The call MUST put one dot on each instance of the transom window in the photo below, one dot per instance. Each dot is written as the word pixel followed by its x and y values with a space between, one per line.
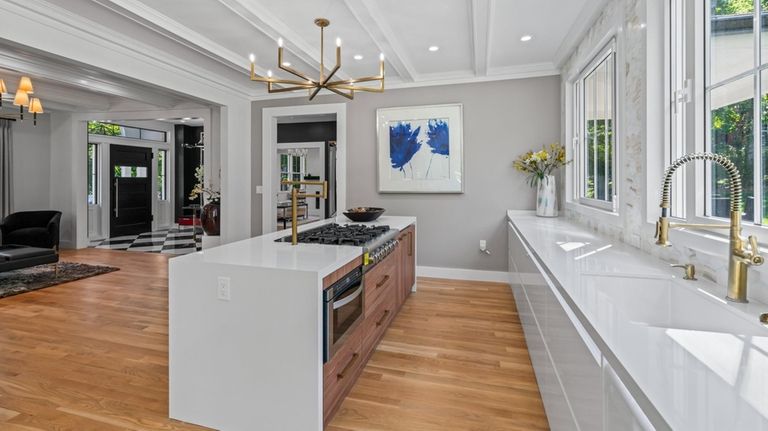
pixel 594 131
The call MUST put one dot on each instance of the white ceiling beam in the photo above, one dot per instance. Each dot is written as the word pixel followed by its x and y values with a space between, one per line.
pixel 481 30
pixel 272 27
pixel 85 80
pixel 144 15
pixel 369 15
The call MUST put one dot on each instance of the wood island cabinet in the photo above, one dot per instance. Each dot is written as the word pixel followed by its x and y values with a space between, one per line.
pixel 386 287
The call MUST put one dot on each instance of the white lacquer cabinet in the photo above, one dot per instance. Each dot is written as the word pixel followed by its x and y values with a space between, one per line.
pixel 579 389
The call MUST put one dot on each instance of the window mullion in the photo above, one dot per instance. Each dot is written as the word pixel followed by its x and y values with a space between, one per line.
pixel 757 207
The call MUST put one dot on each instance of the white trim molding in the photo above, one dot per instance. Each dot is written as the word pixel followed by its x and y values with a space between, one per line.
pixel 269 118
pixel 462 274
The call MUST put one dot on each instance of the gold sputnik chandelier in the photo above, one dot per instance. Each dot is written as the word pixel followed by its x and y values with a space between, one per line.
pixel 342 87
pixel 23 98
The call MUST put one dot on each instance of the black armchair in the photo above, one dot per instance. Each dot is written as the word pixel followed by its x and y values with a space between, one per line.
pixel 32 228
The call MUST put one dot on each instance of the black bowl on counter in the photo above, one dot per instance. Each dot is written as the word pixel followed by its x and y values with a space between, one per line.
pixel 364 214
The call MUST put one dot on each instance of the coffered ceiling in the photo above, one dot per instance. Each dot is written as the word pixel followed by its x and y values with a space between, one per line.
pixel 478 40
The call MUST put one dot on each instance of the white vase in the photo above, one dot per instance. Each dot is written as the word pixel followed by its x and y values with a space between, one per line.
pixel 546 197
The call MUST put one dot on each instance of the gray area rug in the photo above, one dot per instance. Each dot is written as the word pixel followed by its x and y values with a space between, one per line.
pixel 42 276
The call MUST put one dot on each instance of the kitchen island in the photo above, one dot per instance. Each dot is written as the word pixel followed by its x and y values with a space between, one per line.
pixel 247 326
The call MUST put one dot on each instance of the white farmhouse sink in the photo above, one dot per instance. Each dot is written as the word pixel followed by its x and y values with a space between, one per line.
pixel 666 302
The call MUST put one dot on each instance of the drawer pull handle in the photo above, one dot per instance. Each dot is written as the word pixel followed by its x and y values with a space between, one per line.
pixel 383 317
pixel 349 365
pixel 383 281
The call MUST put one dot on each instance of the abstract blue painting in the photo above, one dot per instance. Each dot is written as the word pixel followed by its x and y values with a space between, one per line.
pixel 420 149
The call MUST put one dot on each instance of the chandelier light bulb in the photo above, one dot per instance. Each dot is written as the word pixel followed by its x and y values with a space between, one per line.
pixel 346 87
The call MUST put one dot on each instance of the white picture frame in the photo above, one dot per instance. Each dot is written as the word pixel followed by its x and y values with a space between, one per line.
pixel 420 149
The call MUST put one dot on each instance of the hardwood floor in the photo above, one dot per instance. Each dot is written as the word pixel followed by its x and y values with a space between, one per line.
pixel 92 355
pixel 454 358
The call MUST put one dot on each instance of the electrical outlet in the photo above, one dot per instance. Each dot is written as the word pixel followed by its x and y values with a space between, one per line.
pixel 483 244
pixel 223 291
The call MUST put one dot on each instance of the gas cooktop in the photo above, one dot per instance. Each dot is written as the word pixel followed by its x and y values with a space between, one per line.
pixel 336 234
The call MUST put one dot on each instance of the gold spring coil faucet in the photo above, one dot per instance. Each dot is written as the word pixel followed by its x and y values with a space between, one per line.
pixel 740 257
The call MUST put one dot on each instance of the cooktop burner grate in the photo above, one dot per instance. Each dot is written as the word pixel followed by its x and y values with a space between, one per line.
pixel 336 234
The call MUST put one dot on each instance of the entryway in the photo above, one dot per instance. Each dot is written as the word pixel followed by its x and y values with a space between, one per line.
pixel 131 197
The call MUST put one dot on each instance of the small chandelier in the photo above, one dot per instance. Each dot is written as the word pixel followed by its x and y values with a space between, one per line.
pixel 22 98
pixel 343 87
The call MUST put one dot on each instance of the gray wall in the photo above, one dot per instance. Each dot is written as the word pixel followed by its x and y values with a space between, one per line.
pixel 501 120
pixel 32 164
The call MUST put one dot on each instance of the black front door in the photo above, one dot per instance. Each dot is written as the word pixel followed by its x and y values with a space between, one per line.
pixel 131 197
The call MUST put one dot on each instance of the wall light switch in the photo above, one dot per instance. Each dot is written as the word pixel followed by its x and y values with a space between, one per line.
pixel 223 291
pixel 483 244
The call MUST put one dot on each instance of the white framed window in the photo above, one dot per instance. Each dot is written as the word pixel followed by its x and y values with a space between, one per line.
pixel 162 175
pixel 719 93
pixel 594 131
pixel 93 174
pixel 292 167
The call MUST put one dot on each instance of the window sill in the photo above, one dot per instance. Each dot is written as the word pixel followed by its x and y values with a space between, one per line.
pixel 601 215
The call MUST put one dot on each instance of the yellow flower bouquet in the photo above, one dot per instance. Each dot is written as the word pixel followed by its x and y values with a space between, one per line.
pixel 539 164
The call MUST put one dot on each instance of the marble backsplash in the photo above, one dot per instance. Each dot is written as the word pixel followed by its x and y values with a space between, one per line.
pixel 626 20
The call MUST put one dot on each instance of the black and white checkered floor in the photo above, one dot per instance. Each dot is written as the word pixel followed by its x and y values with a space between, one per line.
pixel 177 241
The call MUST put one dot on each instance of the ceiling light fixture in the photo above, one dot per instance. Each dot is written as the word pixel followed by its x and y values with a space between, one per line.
pixel 526 38
pixel 434 48
pixel 346 87
pixel 287 63
pixel 358 57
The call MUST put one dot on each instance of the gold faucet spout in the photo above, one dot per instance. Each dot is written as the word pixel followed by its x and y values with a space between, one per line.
pixel 739 257
pixel 295 195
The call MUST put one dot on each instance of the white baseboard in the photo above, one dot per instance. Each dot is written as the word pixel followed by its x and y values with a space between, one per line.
pixel 462 274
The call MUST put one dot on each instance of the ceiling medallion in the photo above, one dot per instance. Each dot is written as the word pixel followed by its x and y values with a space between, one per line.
pixel 343 87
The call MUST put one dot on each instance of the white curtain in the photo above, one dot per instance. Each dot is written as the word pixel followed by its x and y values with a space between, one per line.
pixel 6 165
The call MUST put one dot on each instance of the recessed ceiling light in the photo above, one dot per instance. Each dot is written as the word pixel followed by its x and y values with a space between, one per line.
pixel 287 63
pixel 358 57
pixel 186 118
pixel 434 48
pixel 526 38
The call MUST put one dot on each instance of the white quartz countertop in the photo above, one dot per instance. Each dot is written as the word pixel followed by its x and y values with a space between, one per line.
pixel 264 252
pixel 701 361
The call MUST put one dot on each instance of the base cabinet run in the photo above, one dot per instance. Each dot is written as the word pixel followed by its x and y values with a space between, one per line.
pixel 386 286
pixel 579 388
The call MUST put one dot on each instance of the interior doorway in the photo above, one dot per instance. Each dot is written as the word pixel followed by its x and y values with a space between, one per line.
pixel 303 143
pixel 131 197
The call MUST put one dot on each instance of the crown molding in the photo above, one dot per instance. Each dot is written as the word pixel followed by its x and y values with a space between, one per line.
pixel 454 78
pixel 578 30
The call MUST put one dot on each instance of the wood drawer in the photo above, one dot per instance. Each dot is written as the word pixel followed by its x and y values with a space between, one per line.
pixel 340 373
pixel 378 281
pixel 378 320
